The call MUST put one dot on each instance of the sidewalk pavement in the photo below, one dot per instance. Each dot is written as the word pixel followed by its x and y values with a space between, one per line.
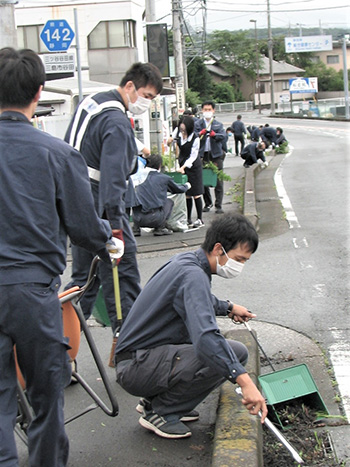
pixel 238 436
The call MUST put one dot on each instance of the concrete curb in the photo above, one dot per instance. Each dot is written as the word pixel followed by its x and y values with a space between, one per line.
pixel 238 435
pixel 249 200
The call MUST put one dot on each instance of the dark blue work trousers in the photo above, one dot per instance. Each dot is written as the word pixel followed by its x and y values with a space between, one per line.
pixel 239 139
pixel 219 189
pixel 156 218
pixel 172 377
pixel 31 319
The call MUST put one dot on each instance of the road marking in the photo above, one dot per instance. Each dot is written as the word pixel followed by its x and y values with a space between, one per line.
pixel 286 203
pixel 300 243
pixel 340 357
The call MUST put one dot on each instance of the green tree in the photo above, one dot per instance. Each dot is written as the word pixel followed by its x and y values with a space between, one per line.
pixel 199 79
pixel 223 92
pixel 193 98
pixel 328 78
pixel 236 53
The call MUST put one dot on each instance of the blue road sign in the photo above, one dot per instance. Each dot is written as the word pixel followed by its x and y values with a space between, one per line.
pixel 57 35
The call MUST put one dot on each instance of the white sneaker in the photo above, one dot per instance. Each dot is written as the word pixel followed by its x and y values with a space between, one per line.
pixel 198 223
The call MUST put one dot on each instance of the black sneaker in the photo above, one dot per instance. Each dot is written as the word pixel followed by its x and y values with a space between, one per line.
pixel 207 208
pixel 145 405
pixel 136 231
pixel 161 427
pixel 219 211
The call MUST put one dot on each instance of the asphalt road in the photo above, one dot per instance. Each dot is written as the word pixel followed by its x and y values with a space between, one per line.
pixel 298 278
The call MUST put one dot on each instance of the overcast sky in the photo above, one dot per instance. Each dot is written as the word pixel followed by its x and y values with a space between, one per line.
pixel 235 14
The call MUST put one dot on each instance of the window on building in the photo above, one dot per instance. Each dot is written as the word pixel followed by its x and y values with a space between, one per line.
pixel 315 59
pixel 285 85
pixel 112 34
pixel 332 59
pixel 28 37
pixel 262 88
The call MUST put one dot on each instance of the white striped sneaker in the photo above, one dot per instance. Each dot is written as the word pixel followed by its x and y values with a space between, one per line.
pixel 158 424
pixel 144 405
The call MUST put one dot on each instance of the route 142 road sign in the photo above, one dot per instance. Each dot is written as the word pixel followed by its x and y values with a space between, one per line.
pixel 57 35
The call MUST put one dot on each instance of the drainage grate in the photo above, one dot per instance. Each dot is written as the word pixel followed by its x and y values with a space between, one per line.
pixel 327 446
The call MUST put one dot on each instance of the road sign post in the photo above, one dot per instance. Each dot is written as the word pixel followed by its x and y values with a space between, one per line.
pixel 57 35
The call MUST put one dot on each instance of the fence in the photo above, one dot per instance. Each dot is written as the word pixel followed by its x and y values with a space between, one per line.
pixel 231 107
pixel 324 108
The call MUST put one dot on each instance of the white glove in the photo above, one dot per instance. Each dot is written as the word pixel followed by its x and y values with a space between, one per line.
pixel 188 185
pixel 115 248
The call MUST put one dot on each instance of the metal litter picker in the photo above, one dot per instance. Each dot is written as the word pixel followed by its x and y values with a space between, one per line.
pixel 279 435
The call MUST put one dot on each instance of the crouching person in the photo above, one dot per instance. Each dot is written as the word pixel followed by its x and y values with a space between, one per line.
pixel 252 152
pixel 170 351
pixel 151 207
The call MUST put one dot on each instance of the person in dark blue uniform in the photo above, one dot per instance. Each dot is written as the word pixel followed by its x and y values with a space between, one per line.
pixel 212 136
pixel 269 135
pixel 252 152
pixel 280 136
pixel 45 195
pixel 150 205
pixel 101 130
pixel 170 350
pixel 239 131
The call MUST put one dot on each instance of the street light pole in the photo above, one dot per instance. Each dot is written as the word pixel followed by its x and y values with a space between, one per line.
pixel 257 82
pixel 269 43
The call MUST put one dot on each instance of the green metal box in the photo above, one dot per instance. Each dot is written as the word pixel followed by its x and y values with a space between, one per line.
pixel 210 178
pixel 178 177
pixel 99 311
pixel 291 384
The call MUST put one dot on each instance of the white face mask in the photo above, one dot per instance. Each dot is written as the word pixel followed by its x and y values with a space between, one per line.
pixel 230 269
pixel 140 106
pixel 208 115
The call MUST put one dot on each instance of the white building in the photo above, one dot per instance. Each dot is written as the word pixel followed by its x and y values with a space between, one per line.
pixel 111 39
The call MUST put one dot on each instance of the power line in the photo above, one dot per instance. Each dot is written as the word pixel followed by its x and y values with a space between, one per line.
pixel 279 11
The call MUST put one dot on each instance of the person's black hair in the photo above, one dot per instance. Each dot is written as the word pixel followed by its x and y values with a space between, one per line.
pixel 154 161
pixel 260 145
pixel 21 74
pixel 279 129
pixel 188 112
pixel 266 124
pixel 142 75
pixel 209 103
pixel 229 129
pixel 231 231
pixel 194 110
pixel 189 124
pixel 239 116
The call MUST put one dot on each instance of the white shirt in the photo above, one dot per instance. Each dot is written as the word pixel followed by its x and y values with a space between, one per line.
pixel 194 151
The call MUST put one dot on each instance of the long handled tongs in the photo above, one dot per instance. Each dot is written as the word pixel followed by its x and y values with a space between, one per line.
pixel 278 434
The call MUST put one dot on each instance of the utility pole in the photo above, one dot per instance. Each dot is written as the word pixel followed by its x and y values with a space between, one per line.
pixel 178 56
pixel 8 33
pixel 150 11
pixel 270 46
pixel 257 82
pixel 155 124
